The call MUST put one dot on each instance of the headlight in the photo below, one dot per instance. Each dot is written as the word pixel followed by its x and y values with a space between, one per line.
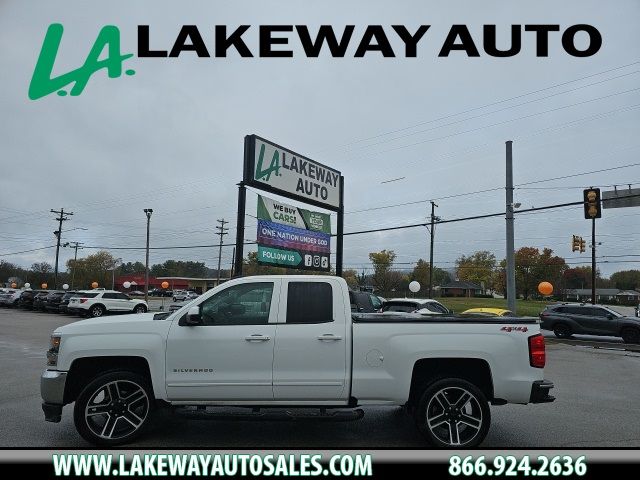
pixel 52 353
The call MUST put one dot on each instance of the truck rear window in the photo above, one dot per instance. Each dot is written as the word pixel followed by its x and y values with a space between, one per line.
pixel 309 302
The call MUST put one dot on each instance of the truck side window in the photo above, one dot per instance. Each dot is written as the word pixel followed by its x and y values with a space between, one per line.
pixel 309 302
pixel 244 304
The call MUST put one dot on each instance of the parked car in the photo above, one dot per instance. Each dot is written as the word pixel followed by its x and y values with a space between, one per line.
pixel 52 301
pixel 425 306
pixel 361 302
pixel 267 341
pixel 489 312
pixel 26 298
pixel 160 292
pixel 9 297
pixel 566 319
pixel 39 301
pixel 136 293
pixel 98 303
pixel 64 301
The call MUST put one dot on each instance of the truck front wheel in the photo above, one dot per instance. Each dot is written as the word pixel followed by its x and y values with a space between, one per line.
pixel 114 408
pixel 453 413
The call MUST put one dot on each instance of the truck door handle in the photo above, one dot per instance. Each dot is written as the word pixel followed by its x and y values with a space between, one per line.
pixel 330 337
pixel 257 338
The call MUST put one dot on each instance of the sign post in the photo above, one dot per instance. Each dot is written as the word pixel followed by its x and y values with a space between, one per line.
pixel 275 169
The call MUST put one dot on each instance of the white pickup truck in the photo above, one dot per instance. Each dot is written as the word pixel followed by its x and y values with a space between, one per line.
pixel 292 341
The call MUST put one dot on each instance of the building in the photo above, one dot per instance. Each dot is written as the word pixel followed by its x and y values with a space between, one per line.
pixel 584 294
pixel 137 283
pixel 199 285
pixel 460 288
pixel 628 297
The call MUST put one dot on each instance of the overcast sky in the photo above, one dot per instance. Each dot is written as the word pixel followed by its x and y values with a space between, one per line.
pixel 171 136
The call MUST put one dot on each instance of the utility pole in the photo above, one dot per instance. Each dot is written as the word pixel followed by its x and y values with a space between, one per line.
pixel 75 246
pixel 432 233
pixel 593 261
pixel 222 231
pixel 148 212
pixel 233 261
pixel 511 264
pixel 62 216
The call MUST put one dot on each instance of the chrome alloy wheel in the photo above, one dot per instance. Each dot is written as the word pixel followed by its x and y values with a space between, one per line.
pixel 454 416
pixel 117 409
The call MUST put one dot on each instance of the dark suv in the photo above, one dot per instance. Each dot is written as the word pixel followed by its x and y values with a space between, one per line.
pixel 566 319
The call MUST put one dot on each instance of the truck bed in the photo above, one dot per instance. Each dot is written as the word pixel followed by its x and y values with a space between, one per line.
pixel 419 318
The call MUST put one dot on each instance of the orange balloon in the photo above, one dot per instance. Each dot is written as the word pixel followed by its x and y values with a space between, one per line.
pixel 164 284
pixel 94 285
pixel 545 288
pixel 44 285
pixel 14 285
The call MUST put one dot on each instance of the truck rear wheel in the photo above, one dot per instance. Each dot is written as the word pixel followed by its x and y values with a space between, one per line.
pixel 114 408
pixel 453 413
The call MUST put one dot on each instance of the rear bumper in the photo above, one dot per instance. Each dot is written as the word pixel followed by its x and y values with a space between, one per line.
pixel 540 392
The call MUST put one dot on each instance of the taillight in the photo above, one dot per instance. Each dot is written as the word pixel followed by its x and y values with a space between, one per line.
pixel 537 353
pixel 83 300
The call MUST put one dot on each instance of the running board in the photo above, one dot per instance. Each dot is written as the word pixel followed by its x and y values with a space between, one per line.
pixel 257 414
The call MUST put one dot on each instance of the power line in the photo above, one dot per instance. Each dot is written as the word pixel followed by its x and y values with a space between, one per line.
pixel 26 251
pixel 485 106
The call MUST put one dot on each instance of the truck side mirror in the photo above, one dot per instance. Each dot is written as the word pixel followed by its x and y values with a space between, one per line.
pixel 192 318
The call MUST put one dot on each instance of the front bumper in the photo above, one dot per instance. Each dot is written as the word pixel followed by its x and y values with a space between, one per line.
pixel 52 384
pixel 540 392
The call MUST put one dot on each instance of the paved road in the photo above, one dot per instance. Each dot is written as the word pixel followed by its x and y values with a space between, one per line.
pixel 597 406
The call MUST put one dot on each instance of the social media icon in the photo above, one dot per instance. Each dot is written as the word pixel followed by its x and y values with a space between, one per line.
pixel 325 262
pixel 316 261
pixel 308 259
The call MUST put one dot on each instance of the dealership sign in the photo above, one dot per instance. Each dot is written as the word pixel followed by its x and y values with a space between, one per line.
pixel 279 170
pixel 293 237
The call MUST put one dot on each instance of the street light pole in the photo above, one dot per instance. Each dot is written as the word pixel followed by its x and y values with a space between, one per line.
pixel 511 264
pixel 58 233
pixel 148 212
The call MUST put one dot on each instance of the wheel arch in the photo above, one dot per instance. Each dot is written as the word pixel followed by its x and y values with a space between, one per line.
pixel 84 370
pixel 428 370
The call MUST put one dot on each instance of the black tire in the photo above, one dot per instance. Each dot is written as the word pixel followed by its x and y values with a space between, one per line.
pixel 140 309
pixel 631 335
pixel 126 414
pixel 453 413
pixel 97 311
pixel 561 330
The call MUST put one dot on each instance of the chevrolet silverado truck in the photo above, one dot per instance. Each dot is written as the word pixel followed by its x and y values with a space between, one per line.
pixel 292 342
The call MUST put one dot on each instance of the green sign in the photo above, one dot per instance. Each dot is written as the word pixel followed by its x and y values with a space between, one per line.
pixel 278 212
pixel 278 257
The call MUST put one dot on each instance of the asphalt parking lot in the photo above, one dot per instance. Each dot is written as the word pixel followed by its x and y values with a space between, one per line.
pixel 596 406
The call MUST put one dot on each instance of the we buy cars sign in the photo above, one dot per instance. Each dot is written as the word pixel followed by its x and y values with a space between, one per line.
pixel 292 237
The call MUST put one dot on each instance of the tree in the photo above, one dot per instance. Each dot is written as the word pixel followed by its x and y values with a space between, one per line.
pixel 351 277
pixel 533 267
pixel 578 277
pixel 382 278
pixel 41 273
pixel 132 268
pixel 626 279
pixel 421 274
pixel 93 268
pixel 478 268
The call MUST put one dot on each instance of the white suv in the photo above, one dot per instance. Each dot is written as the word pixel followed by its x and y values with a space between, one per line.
pixel 95 303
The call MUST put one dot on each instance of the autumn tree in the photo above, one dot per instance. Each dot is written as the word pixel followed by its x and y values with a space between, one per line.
pixel 383 280
pixel 533 267
pixel 478 268
pixel 420 274
pixel 93 268
pixel 351 277
pixel 626 279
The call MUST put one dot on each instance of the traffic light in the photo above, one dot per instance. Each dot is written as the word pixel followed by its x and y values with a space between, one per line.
pixel 575 243
pixel 592 203
pixel 582 245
